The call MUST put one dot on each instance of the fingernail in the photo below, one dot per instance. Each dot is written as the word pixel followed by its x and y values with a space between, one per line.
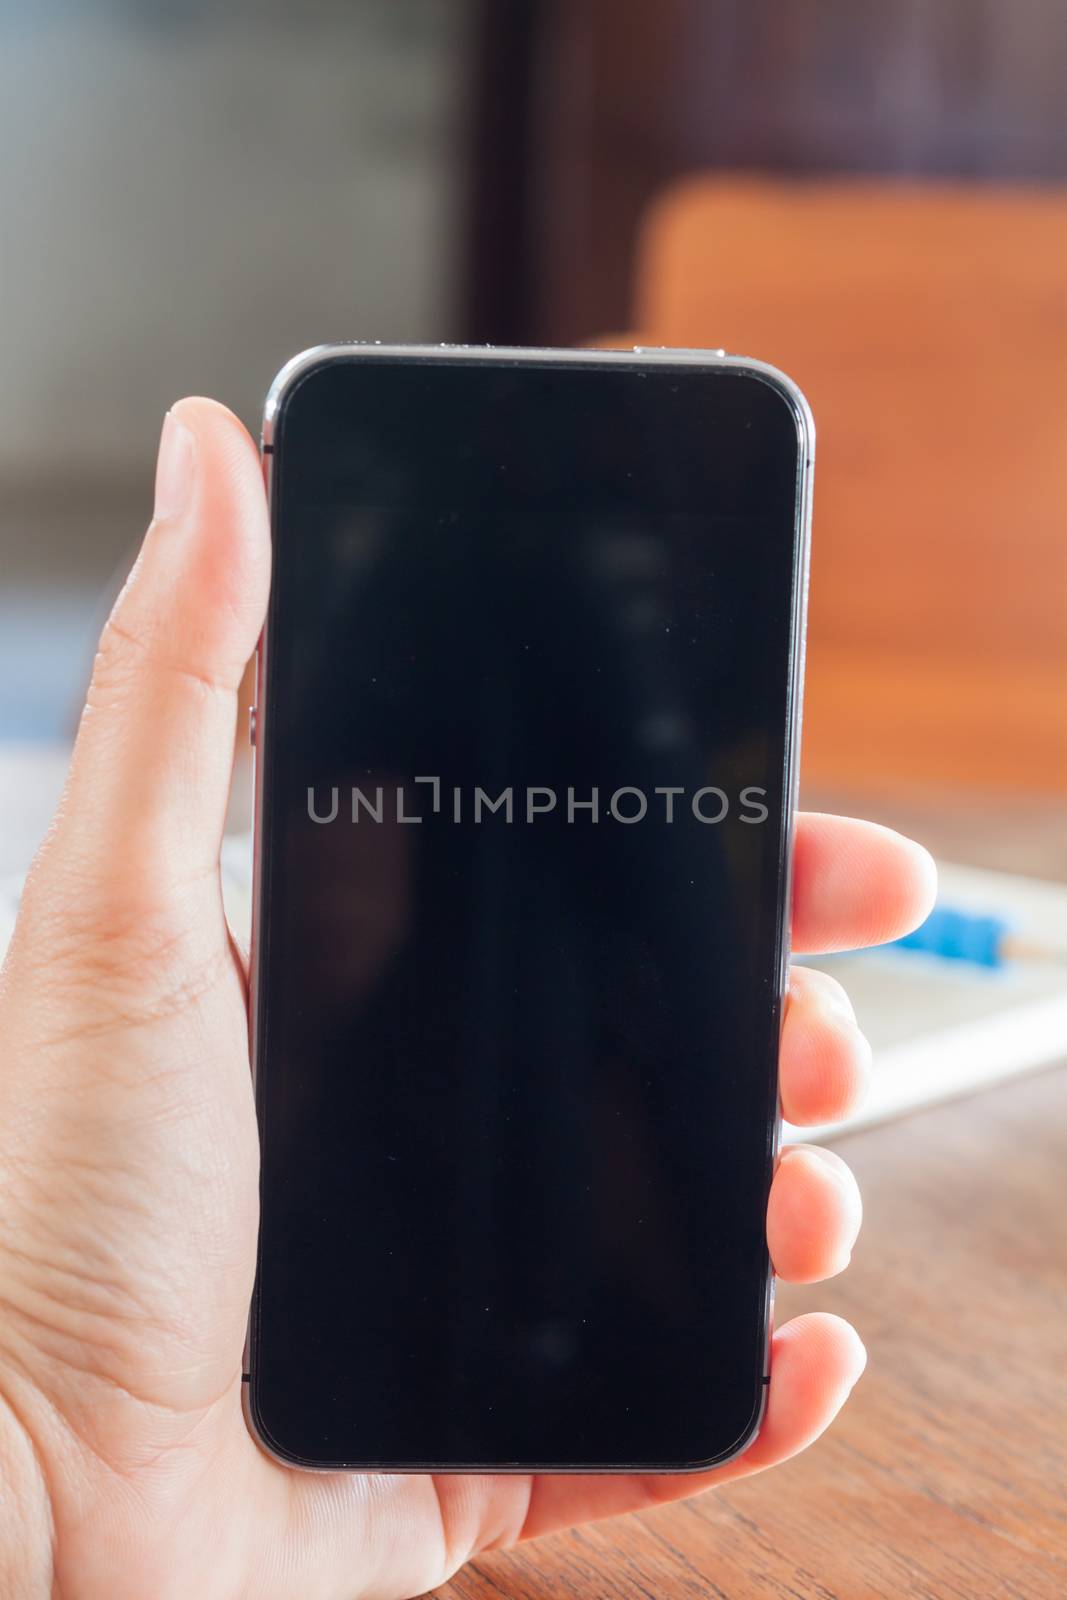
pixel 832 1161
pixel 842 1007
pixel 829 1160
pixel 175 467
pixel 836 999
pixel 859 1359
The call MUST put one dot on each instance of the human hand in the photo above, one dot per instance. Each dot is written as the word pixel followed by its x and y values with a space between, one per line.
pixel 128 1147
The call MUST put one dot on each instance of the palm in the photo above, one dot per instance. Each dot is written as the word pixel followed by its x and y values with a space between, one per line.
pixel 129 1154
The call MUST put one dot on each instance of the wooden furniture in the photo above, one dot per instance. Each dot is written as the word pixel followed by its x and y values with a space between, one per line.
pixel 928 326
pixel 944 1477
pixel 940 507
pixel 585 110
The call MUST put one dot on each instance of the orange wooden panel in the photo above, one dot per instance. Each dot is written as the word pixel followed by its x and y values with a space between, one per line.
pixel 928 326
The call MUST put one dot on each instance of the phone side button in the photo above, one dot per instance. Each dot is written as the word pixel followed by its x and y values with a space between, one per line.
pixel 771 1288
pixel 252 725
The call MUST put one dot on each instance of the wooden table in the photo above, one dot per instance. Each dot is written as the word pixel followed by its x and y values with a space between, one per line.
pixel 946 1476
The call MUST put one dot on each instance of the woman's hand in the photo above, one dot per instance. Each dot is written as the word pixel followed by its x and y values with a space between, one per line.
pixel 128 1151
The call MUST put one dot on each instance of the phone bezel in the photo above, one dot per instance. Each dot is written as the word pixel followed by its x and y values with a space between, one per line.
pixel 287 380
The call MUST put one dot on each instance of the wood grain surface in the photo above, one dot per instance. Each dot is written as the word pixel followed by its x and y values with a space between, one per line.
pixel 946 1476
pixel 928 326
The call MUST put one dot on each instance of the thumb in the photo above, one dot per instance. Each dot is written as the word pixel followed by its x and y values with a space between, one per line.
pixel 146 797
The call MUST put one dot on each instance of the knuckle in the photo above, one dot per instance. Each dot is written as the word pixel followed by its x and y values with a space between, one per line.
pixel 119 657
pixel 123 986
pixel 119 953
pixel 135 638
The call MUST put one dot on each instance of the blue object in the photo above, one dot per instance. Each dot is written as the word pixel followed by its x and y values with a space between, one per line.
pixel 958 936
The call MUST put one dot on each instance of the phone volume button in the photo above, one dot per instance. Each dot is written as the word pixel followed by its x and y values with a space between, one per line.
pixel 252 725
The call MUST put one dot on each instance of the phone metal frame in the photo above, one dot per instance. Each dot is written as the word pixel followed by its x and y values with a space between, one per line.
pixel 286 380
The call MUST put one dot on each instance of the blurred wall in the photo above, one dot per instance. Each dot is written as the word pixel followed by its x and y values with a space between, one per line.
pixel 191 193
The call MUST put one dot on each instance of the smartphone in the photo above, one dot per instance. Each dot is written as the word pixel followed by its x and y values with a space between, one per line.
pixel 527 719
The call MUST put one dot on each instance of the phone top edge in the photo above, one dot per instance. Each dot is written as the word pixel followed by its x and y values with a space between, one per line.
pixel 298 367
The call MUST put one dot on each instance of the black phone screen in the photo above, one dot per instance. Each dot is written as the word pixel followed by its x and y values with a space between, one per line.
pixel 525 757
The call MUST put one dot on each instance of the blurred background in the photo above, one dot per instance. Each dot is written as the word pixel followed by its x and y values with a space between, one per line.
pixel 873 198
pixel 869 197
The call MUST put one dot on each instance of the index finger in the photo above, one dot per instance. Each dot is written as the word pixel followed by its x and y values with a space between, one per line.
pixel 856 883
